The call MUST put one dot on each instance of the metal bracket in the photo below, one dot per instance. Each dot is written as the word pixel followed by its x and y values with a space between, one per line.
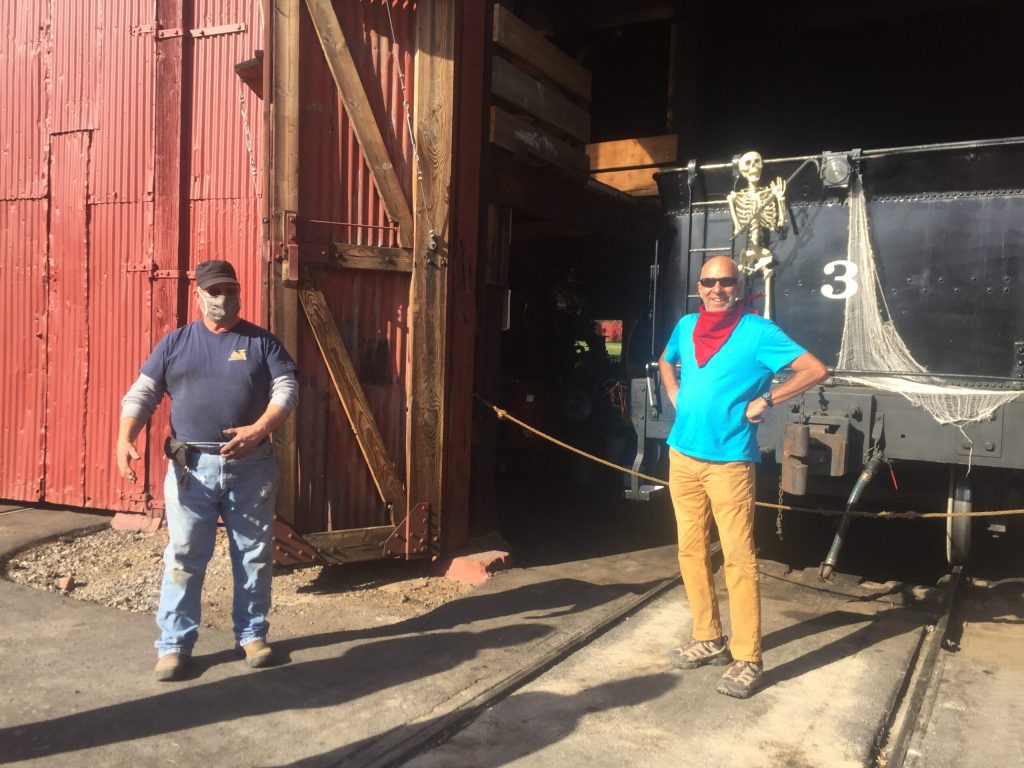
pixel 412 536
pixel 173 32
pixel 1018 360
pixel 160 274
pixel 290 271
pixel 289 547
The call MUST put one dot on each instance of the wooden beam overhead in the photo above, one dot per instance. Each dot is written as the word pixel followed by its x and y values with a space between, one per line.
pixel 427 370
pixel 633 153
pixel 523 41
pixel 370 257
pixel 518 135
pixel 638 181
pixel 522 92
pixel 353 401
pixel 364 124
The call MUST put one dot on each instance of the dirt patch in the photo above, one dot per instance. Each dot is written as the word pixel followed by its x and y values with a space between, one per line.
pixel 123 570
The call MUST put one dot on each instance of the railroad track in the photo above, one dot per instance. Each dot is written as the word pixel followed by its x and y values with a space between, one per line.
pixel 894 737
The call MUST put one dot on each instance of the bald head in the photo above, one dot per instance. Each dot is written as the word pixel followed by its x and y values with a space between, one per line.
pixel 719 296
pixel 720 266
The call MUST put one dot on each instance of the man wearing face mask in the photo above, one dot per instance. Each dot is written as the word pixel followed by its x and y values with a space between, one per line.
pixel 231 383
pixel 727 358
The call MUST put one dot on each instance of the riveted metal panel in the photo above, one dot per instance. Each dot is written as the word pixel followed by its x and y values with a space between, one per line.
pixel 227 122
pixel 78 35
pixel 23 51
pixel 119 322
pixel 121 168
pixel 22 346
pixel 67 336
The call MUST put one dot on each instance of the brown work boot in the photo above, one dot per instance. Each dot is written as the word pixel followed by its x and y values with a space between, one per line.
pixel 697 653
pixel 170 666
pixel 258 653
pixel 741 679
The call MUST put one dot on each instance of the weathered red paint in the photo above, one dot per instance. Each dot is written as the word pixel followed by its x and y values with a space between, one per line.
pixel 335 487
pixel 116 178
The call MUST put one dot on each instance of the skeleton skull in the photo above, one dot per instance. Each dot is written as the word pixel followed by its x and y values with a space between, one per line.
pixel 750 165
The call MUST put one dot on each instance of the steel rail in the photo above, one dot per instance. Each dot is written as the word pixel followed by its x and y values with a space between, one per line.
pixel 893 738
pixel 395 752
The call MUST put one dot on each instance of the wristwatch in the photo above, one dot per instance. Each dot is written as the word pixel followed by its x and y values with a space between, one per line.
pixel 767 397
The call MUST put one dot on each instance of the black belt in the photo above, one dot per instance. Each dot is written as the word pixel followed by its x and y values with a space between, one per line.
pixel 204 448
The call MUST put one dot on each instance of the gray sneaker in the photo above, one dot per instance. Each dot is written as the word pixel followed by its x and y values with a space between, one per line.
pixel 697 653
pixel 741 679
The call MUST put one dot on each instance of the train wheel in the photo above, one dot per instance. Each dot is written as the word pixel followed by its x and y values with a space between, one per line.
pixel 958 529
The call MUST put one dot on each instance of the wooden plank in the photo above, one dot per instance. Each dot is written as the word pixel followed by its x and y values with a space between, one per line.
pixel 462 518
pixel 521 40
pixel 285 190
pixel 370 257
pixel 427 369
pixel 542 101
pixel 364 124
pixel 351 545
pixel 353 401
pixel 633 153
pixel 638 182
pixel 517 135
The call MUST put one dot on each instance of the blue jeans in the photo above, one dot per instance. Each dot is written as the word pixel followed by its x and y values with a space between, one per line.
pixel 242 493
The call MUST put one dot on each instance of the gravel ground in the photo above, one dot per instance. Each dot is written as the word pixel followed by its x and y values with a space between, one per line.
pixel 123 569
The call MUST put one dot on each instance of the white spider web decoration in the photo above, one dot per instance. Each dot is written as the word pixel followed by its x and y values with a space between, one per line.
pixel 872 343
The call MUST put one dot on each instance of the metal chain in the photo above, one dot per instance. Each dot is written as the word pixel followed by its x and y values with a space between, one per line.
pixel 248 139
pixel 778 517
pixel 408 116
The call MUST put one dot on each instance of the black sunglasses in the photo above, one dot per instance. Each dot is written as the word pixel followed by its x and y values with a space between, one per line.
pixel 727 282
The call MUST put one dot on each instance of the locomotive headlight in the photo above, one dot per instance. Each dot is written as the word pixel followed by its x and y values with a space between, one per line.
pixel 835 169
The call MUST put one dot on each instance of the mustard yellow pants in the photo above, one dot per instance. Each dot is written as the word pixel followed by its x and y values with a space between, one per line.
pixel 725 490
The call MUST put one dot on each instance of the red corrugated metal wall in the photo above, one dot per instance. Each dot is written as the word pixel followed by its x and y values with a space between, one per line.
pixel 77 166
pixel 336 490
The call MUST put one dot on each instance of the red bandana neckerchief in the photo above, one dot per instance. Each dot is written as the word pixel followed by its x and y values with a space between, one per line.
pixel 713 329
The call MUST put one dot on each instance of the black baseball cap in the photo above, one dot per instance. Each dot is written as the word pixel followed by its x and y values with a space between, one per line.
pixel 213 272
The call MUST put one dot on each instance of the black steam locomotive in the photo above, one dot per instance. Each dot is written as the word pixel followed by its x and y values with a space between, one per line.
pixel 947 230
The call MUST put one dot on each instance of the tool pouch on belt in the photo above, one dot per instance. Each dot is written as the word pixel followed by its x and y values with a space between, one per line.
pixel 176 451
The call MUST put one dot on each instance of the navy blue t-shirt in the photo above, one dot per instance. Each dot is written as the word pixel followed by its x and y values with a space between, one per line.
pixel 217 380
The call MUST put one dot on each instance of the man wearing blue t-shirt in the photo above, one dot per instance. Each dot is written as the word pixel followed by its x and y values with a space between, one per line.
pixel 727 358
pixel 231 383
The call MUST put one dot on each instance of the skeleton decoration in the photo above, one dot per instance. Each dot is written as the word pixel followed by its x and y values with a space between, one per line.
pixel 755 208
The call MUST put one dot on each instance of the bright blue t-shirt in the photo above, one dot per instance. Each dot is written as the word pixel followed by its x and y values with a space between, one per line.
pixel 711 422
pixel 217 380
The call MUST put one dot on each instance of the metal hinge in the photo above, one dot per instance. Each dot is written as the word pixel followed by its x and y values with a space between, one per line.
pixel 160 274
pixel 168 33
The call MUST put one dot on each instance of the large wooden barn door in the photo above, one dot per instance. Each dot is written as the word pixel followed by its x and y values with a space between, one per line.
pixel 364 301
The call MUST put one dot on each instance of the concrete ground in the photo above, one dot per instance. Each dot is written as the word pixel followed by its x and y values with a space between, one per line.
pixel 76 680
pixel 834 660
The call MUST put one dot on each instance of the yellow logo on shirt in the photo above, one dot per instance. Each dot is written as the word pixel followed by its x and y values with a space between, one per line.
pixel 238 354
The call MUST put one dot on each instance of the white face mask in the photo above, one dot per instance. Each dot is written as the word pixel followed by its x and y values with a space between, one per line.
pixel 220 309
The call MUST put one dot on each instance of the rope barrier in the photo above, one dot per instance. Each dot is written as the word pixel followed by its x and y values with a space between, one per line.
pixel 504 415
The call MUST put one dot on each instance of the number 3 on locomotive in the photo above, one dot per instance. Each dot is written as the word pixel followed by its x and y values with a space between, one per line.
pixel 847 278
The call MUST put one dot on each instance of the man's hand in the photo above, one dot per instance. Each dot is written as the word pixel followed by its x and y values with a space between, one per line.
pixel 126 454
pixel 756 409
pixel 243 441
pixel 128 430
